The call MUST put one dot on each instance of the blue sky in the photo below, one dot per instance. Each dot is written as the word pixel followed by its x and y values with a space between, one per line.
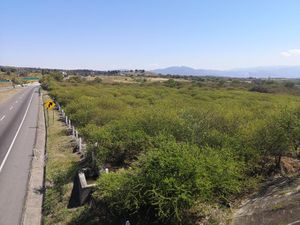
pixel 147 34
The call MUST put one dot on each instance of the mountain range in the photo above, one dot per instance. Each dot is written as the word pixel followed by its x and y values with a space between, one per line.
pixel 258 72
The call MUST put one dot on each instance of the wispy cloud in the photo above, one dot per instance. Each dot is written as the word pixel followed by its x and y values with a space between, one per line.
pixel 291 53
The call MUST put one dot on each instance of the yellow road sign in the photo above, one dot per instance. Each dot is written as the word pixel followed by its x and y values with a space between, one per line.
pixel 49 104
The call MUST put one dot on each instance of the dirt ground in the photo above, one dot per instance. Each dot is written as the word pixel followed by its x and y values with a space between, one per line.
pixel 130 80
pixel 277 202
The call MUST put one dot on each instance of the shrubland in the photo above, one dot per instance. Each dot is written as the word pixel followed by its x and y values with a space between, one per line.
pixel 177 147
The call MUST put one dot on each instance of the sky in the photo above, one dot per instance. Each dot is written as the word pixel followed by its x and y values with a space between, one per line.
pixel 149 34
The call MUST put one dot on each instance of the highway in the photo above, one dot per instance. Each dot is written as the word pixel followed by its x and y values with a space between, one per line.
pixel 18 121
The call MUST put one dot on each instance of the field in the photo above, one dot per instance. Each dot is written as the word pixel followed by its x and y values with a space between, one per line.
pixel 178 149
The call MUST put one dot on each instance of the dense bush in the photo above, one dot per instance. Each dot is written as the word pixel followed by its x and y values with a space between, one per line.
pixel 177 146
pixel 260 88
pixel 279 135
pixel 165 182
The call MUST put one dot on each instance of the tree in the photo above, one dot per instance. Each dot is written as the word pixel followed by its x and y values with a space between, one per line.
pixel 279 136
pixel 57 76
pixel 16 80
pixel 289 84
pixel 97 80
pixel 171 83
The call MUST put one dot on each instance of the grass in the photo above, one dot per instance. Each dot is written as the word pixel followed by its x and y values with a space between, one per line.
pixel 60 169
pixel 277 207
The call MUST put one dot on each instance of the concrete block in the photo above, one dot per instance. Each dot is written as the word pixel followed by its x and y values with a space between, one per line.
pixel 84 189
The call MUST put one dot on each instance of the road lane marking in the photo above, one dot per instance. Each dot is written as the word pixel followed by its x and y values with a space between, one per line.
pixel 2 118
pixel 15 137
pixel 11 108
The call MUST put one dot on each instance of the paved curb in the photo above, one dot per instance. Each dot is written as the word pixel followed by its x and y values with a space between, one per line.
pixel 32 213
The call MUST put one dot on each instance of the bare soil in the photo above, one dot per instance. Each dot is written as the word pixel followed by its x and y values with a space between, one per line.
pixel 277 202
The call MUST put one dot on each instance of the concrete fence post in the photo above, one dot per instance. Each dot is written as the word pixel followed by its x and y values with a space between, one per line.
pixel 69 124
pixel 93 157
pixel 93 153
pixel 76 135
pixel 80 145
pixel 66 120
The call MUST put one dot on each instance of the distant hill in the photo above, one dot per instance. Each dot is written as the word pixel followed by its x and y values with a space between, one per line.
pixel 259 72
pixel 183 70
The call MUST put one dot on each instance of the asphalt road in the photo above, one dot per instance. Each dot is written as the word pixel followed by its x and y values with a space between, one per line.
pixel 18 121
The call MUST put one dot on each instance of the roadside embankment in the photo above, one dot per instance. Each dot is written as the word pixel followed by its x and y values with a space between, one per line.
pixel 277 202
pixel 61 167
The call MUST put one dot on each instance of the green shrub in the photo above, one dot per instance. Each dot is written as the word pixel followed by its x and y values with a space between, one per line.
pixel 278 134
pixel 166 181
pixel 179 145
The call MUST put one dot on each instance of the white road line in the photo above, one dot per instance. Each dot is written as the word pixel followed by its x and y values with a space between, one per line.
pixel 15 137
pixel 2 118
pixel 11 108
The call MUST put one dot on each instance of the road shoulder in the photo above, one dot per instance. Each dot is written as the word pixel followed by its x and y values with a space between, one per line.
pixel 32 213
pixel 61 168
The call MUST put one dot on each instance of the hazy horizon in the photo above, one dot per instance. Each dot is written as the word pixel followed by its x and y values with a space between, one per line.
pixel 171 66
